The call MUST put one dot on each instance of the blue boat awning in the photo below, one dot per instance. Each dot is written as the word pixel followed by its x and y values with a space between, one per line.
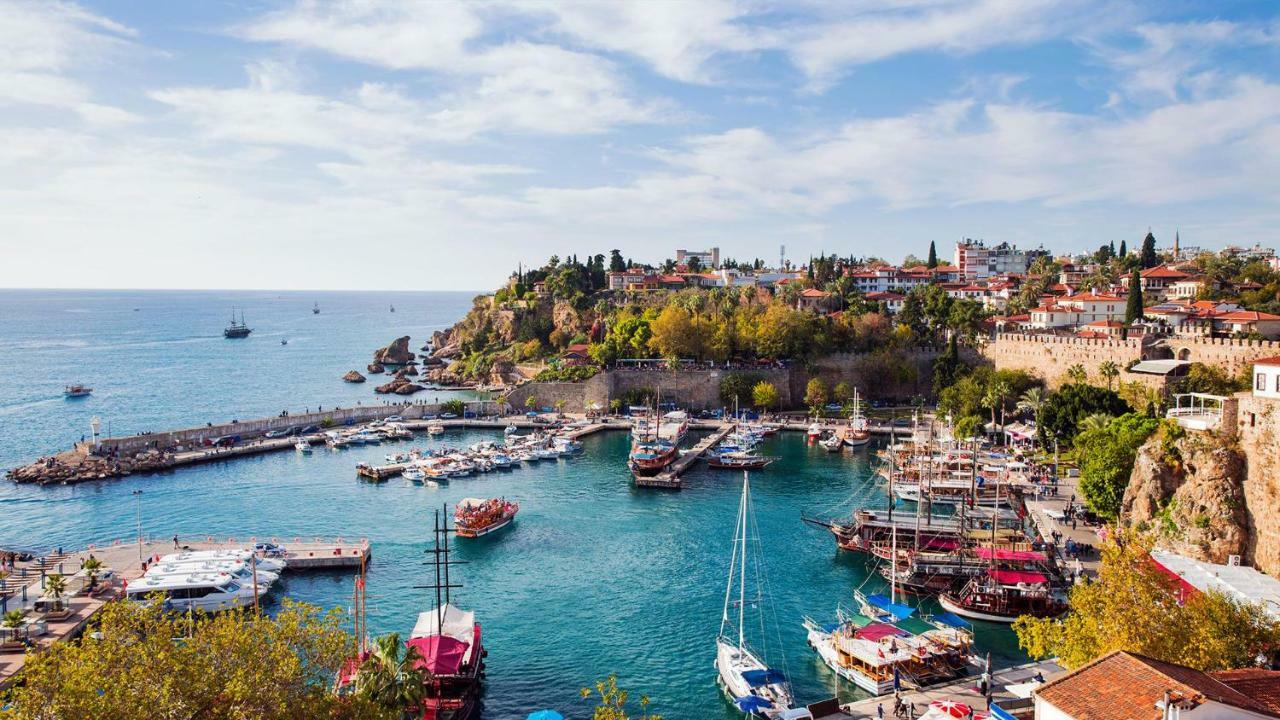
pixel 769 676
pixel 752 703
pixel 949 618
pixel 901 612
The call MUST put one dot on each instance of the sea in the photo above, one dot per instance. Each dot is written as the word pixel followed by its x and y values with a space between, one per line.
pixel 595 577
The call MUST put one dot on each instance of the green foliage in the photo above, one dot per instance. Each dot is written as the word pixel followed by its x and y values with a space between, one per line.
pixel 842 392
pixel 612 701
pixel 1072 403
pixel 736 387
pixel 1212 379
pixel 933 255
pixel 1148 258
pixel 969 426
pixel 974 392
pixel 1135 606
pixel 815 394
pixel 764 395
pixel 1106 451
pixel 457 407
pixel 1133 304
pixel 576 373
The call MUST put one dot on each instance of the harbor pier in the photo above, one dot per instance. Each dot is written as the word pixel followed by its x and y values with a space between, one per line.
pixel 670 478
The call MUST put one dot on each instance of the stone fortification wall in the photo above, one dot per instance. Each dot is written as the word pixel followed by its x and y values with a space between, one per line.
pixel 1231 355
pixel 694 389
pixel 896 375
pixel 1049 356
pixel 1258 435
pixel 577 396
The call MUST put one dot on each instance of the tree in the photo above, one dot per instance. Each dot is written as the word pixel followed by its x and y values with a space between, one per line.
pixel 1031 402
pixel 969 426
pixel 764 395
pixel 55 584
pixel 815 394
pixel 674 334
pixel 736 388
pixel 613 700
pixel 1124 250
pixel 1133 304
pixel 455 407
pixel 1077 374
pixel 560 405
pixel 1135 606
pixel 92 566
pixel 1148 258
pixel 1106 448
pixel 994 398
pixel 1072 403
pixel 389 677
pixel 616 263
pixel 933 255
pixel 1109 372
pixel 843 392
pixel 227 666
pixel 531 402
pixel 694 263
pixel 13 621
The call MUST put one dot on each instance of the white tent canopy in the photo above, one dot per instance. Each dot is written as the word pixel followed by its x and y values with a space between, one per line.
pixel 458 624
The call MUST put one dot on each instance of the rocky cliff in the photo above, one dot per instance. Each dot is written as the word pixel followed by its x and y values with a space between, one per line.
pixel 397 353
pixel 1190 489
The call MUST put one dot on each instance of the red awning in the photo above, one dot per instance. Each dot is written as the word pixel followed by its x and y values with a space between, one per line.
pixel 877 631
pixel 1013 577
pixel 441 655
pixel 1006 554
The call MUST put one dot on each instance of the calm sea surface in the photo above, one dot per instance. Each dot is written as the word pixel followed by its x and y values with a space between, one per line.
pixel 595 576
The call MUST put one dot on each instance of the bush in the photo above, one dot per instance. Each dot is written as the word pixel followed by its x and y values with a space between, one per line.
pixel 576 373
pixel 1106 460
pixel 736 386
pixel 1071 404
pixel 457 407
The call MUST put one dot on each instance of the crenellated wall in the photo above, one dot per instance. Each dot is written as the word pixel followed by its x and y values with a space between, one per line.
pixel 1049 356
pixel 1227 353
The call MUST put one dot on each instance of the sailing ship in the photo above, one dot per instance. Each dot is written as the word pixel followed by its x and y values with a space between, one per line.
pixel 76 390
pixel 750 684
pixel 447 641
pixel 237 329
pixel 315 309
pixel 859 431
pixel 648 458
pixel 1003 596
pixel 474 517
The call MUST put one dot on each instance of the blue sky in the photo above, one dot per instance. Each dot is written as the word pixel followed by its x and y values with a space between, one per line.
pixel 433 145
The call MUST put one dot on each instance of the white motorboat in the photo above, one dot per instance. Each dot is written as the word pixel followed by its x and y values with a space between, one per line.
pixel 274 565
pixel 209 592
pixel 238 569
pixel 302 446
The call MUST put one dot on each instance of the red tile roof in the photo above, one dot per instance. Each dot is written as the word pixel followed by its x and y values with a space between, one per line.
pixel 1247 316
pixel 1261 685
pixel 1126 686
pixel 815 293
pixel 1271 361
pixel 885 296
pixel 1164 272
pixel 1106 323
pixel 1085 297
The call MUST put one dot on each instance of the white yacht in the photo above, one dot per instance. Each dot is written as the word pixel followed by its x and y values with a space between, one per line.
pixel 274 565
pixel 209 592
pixel 241 571
pixel 302 446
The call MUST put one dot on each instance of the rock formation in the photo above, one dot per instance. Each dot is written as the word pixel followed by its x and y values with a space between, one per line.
pixel 353 377
pixel 409 389
pixel 399 386
pixel 376 368
pixel 410 370
pixel 397 353
pixel 1190 491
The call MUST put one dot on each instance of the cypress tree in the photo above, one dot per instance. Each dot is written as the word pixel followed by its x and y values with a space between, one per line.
pixel 933 255
pixel 1148 258
pixel 1133 309
pixel 1124 250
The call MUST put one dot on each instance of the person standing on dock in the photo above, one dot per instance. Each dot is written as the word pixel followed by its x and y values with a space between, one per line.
pixel 175 542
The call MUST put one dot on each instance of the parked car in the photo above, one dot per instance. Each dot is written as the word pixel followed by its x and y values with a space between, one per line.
pixel 447 416
pixel 286 432
pixel 394 418
pixel 310 429
pixel 269 549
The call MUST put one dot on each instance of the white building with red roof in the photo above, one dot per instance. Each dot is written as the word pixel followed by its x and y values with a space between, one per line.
pixel 1074 311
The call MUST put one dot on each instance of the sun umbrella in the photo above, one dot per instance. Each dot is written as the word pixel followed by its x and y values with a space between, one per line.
pixel 545 715
pixel 950 708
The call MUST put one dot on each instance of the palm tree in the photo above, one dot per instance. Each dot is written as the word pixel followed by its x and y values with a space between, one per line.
pixel 1077 374
pixel 1109 371
pixel 13 621
pixel 1031 402
pixel 1096 421
pixel 92 566
pixel 994 398
pixel 389 676
pixel 560 405
pixel 55 584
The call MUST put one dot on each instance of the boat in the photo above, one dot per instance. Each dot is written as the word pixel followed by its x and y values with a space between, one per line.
pixel 738 461
pixel 284 342
pixel 205 591
pixel 474 517
pixel 237 329
pixel 673 427
pixel 859 431
pixel 650 458
pixel 510 430
pixel 435 428
pixel 302 446
pixel 275 565
pixel 244 572
pixel 753 687
pixel 1003 596
pixel 393 308
pixel 833 443
pixel 315 309
pixel 814 432
pixel 76 391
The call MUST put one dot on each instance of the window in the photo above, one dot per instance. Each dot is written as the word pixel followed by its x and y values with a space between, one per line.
pixel 1260 382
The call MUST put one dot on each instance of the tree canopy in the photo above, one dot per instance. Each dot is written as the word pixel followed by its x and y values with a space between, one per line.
pixel 1072 403
pixel 1135 606
pixel 1106 456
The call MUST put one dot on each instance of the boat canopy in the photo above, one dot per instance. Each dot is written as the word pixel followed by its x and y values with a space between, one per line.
pixel 752 703
pixel 951 619
pixel 877 631
pixel 459 624
pixel 987 553
pixel 1013 577
pixel 440 655
pixel 901 612
pixel 759 678
pixel 469 503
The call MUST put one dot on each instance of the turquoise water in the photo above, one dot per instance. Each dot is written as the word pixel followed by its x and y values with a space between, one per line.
pixel 594 577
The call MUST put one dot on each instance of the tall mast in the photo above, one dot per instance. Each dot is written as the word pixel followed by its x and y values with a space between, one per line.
pixel 742 563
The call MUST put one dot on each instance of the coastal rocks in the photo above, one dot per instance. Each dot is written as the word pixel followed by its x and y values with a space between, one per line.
pixel 397 353
pixel 410 370
pixel 399 386
pixel 353 377
pixel 75 467
pixel 376 368
pixel 1190 491
pixel 409 389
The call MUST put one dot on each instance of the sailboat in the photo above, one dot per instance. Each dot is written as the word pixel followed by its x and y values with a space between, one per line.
pixel 237 329
pixel 751 685
pixel 315 309
pixel 859 431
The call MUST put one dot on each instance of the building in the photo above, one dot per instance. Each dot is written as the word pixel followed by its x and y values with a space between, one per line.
pixel 1247 322
pixel 1156 281
pixel 576 355
pixel 1074 311
pixel 975 261
pixel 892 302
pixel 1240 582
pixel 708 259
pixel 814 299
pixel 630 279
pixel 1127 686
pixel 1266 378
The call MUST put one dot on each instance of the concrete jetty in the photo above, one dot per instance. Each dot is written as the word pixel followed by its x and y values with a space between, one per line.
pixel 1009 689
pixel 670 478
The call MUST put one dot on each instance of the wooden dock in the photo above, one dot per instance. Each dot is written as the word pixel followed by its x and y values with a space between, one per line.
pixel 670 478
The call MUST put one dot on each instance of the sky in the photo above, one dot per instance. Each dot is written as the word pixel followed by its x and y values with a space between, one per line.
pixel 352 144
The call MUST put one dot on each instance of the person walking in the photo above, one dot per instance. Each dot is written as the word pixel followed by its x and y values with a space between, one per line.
pixel 175 542
pixel 880 711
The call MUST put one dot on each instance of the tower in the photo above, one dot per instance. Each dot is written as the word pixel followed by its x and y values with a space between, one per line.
pixel 1175 244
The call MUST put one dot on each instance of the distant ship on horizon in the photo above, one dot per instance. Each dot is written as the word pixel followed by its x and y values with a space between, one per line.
pixel 237 329
pixel 315 310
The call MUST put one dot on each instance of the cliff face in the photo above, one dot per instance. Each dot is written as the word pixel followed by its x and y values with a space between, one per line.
pixel 1259 436
pixel 1191 491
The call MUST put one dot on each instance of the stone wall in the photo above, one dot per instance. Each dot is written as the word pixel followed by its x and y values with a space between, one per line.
pixel 1258 435
pixel 577 396
pixel 897 375
pixel 693 389
pixel 1231 355
pixel 1049 356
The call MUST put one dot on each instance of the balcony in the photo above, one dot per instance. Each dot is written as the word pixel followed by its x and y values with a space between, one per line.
pixel 1197 411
